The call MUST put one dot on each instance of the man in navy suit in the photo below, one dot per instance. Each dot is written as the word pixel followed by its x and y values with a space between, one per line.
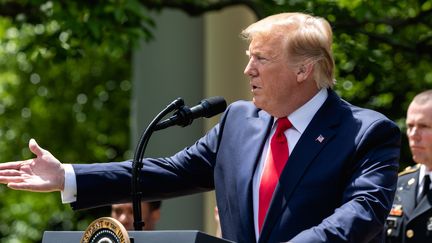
pixel 297 164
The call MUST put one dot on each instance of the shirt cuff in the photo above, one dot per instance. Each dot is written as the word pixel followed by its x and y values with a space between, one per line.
pixel 68 195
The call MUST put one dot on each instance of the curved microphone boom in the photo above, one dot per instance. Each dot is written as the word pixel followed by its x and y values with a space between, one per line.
pixel 137 161
pixel 184 116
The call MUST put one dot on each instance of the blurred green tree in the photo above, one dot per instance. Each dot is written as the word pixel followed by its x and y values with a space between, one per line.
pixel 65 78
pixel 68 86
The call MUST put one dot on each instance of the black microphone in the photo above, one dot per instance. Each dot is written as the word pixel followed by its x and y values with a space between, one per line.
pixel 185 115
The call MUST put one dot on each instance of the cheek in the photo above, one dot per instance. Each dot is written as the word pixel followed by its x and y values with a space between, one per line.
pixel 428 143
pixel 282 85
pixel 277 80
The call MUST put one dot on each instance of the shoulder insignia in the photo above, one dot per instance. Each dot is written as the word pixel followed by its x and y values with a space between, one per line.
pixel 410 169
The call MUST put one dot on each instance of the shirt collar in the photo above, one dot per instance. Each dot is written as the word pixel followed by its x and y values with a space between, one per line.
pixel 424 171
pixel 301 117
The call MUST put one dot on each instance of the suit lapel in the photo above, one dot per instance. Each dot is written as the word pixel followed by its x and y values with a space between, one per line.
pixel 318 133
pixel 258 130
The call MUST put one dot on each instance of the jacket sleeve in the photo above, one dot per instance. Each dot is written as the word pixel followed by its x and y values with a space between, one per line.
pixel 369 193
pixel 188 171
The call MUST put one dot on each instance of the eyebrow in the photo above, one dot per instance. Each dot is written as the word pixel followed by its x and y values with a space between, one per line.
pixel 257 53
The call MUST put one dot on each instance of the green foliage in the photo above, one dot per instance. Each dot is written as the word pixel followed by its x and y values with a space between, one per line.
pixel 69 91
pixel 61 27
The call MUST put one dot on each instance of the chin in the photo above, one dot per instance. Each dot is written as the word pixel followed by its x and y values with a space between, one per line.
pixel 419 160
pixel 257 103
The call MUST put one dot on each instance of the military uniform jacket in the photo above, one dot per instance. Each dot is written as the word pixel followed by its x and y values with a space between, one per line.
pixel 409 220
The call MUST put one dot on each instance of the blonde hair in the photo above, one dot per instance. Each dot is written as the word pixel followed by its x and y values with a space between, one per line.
pixel 308 39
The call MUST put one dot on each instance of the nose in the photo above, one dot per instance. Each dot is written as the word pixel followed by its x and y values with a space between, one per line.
pixel 413 134
pixel 250 69
pixel 126 221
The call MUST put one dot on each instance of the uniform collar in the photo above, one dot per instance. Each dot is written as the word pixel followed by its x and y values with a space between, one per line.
pixel 424 171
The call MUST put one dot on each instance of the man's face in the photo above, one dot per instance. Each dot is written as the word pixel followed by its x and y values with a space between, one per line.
pixel 419 132
pixel 272 79
pixel 124 214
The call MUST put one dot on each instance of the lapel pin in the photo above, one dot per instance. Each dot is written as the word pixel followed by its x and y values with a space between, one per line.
pixel 320 138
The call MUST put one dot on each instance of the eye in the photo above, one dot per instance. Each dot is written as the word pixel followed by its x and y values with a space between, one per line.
pixel 424 126
pixel 261 58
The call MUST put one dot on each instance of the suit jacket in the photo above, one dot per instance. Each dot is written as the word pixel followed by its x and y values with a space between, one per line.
pixel 409 220
pixel 337 186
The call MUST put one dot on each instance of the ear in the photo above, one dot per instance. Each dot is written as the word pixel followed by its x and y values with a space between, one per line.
pixel 304 72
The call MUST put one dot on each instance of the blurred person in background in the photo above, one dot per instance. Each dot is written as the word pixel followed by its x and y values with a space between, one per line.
pixel 410 218
pixel 150 214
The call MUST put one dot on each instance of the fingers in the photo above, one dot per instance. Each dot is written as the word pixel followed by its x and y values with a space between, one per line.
pixel 12 177
pixel 10 172
pixel 29 186
pixel 35 148
pixel 5 173
pixel 18 181
pixel 11 165
pixel 21 186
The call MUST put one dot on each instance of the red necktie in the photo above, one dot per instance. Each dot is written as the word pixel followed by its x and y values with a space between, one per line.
pixel 274 164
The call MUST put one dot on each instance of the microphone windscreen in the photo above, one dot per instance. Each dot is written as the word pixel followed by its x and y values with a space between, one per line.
pixel 213 106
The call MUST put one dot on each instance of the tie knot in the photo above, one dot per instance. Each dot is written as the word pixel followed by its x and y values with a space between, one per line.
pixel 283 124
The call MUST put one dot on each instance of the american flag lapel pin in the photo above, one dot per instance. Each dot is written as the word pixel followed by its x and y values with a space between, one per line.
pixel 320 138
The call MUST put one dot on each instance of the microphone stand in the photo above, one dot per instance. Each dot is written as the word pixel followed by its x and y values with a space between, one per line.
pixel 137 163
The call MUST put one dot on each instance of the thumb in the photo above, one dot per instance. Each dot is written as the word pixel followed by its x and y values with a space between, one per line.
pixel 34 147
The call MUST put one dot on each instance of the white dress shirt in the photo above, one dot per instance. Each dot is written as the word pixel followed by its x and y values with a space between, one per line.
pixel 299 119
pixel 68 195
pixel 423 171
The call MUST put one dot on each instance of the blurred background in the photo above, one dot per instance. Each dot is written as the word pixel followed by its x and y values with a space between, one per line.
pixel 84 78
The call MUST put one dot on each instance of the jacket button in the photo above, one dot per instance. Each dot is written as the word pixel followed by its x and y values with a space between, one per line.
pixel 410 233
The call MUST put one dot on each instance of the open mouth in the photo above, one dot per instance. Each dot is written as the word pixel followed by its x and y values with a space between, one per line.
pixel 255 87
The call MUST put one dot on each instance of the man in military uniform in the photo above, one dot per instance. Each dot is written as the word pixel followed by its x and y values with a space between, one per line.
pixel 410 218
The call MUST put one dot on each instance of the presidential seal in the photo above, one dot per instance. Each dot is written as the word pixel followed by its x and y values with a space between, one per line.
pixel 105 230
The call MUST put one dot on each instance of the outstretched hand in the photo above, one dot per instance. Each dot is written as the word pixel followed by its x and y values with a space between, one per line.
pixel 44 173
